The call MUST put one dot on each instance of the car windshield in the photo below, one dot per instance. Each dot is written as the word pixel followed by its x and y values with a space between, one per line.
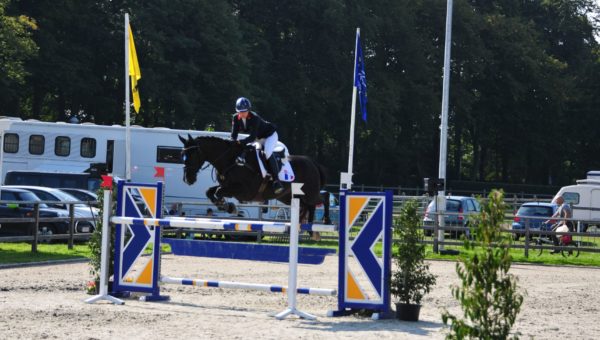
pixel 24 196
pixel 451 205
pixel 63 196
pixel 535 211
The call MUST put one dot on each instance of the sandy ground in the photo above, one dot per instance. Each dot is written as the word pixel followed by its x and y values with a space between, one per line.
pixel 46 302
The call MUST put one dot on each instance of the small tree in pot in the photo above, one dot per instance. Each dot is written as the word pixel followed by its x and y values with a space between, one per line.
pixel 411 278
pixel 95 246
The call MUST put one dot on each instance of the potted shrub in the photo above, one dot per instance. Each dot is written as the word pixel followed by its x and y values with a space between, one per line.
pixel 95 245
pixel 411 278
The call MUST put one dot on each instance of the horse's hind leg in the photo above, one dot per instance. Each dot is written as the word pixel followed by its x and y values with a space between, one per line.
pixel 309 217
pixel 325 198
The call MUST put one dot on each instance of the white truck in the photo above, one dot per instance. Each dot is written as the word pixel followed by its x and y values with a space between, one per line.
pixel 584 198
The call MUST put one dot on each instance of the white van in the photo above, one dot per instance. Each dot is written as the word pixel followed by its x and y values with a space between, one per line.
pixel 584 198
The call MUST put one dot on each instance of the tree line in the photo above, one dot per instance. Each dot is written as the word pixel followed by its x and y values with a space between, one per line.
pixel 523 91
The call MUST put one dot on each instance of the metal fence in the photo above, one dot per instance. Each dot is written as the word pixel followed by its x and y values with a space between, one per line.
pixel 534 238
pixel 35 233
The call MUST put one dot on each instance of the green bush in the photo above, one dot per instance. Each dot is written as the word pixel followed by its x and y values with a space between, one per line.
pixel 412 279
pixel 95 242
pixel 488 294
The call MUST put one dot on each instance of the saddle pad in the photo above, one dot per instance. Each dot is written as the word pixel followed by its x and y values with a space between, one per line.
pixel 286 174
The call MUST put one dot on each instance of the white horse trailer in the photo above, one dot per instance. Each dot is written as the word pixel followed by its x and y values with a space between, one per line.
pixel 584 198
pixel 57 148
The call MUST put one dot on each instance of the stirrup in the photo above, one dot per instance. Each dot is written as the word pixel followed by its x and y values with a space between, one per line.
pixel 277 187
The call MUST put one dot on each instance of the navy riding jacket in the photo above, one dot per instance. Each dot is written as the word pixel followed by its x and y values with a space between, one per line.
pixel 255 126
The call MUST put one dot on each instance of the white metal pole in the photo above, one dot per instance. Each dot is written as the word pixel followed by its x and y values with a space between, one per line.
pixel 346 178
pixel 103 291
pixel 441 201
pixel 127 106
pixel 1 162
pixel 293 261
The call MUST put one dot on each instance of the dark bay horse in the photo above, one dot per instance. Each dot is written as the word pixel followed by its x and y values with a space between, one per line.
pixel 244 182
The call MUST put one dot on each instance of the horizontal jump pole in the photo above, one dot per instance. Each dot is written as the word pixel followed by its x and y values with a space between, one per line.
pixel 248 286
pixel 217 224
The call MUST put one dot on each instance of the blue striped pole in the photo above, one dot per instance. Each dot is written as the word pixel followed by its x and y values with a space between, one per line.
pixel 248 286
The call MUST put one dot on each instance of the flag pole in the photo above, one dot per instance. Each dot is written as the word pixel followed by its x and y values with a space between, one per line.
pixel 127 106
pixel 346 177
pixel 441 195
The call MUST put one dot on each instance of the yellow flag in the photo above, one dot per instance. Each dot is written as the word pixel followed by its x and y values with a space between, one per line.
pixel 134 72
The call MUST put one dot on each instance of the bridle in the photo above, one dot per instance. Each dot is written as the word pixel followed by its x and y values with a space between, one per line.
pixel 185 150
pixel 196 146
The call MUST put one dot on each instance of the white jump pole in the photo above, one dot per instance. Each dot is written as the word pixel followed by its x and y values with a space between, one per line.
pixel 103 292
pixel 293 264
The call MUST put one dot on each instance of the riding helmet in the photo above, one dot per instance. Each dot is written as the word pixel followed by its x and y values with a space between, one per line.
pixel 242 104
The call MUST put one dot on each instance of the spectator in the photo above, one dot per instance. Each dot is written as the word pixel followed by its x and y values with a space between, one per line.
pixel 565 213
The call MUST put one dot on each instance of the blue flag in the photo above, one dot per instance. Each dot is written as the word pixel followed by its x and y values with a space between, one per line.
pixel 360 78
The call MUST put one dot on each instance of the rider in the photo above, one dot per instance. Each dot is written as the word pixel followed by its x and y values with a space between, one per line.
pixel 259 130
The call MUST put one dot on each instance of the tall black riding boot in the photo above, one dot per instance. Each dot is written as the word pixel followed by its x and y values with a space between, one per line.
pixel 277 187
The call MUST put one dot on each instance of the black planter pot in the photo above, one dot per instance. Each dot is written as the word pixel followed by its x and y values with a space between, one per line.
pixel 407 311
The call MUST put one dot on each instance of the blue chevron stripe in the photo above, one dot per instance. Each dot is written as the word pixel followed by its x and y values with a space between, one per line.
pixel 362 248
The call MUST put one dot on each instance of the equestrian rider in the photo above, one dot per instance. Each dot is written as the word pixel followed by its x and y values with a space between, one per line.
pixel 259 130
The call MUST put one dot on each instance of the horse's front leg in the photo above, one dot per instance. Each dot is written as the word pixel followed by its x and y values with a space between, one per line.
pixel 211 193
pixel 217 196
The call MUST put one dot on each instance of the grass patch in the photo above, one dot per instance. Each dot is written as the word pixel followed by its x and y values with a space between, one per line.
pixel 21 252
pixel 518 255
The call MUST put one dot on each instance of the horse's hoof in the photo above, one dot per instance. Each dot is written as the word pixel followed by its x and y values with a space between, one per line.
pixel 316 236
pixel 231 208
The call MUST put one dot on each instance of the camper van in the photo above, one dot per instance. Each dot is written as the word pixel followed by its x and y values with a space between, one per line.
pixel 584 198
pixel 31 147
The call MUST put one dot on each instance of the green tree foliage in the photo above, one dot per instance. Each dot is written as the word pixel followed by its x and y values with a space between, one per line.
pixel 523 96
pixel 16 48
pixel 488 293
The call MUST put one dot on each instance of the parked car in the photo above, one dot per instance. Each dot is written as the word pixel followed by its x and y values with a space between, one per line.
pixel 458 209
pixel 81 194
pixel 59 196
pixel 526 214
pixel 22 210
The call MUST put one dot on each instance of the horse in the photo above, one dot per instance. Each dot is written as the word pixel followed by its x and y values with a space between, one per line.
pixel 245 182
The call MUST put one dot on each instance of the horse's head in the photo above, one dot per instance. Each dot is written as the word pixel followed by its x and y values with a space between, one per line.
pixel 193 159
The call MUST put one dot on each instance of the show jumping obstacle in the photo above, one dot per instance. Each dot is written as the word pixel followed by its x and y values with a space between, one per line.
pixel 363 275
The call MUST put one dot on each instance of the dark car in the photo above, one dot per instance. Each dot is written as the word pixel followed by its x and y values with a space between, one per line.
pixel 81 211
pixel 22 210
pixel 526 217
pixel 458 209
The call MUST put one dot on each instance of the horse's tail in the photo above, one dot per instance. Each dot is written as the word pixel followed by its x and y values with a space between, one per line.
pixel 322 174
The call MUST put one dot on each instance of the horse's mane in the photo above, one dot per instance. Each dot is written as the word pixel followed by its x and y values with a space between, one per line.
pixel 213 139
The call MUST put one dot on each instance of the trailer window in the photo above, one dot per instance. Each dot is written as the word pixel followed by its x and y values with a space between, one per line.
pixel 11 143
pixel 168 154
pixel 571 197
pixel 62 146
pixel 36 144
pixel 88 147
